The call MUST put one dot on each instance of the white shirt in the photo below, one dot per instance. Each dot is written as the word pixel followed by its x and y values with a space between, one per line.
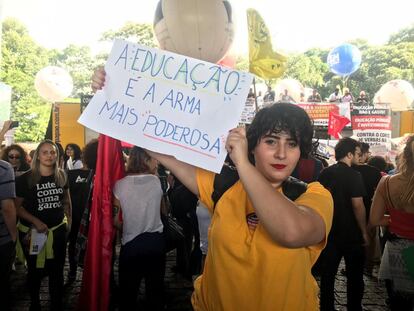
pixel 140 197
pixel 74 165
pixel 204 220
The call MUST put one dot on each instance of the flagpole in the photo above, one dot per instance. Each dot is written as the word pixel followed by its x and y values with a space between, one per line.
pixel 255 96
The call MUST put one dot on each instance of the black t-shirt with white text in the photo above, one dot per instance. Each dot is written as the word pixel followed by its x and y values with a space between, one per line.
pixel 44 200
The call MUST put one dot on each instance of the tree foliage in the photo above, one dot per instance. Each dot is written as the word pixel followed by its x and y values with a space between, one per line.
pixel 80 64
pixel 404 35
pixel 139 33
pixel 22 58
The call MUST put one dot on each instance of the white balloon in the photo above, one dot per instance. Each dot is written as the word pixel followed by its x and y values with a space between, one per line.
pixel 293 86
pixel 398 93
pixel 53 83
pixel 201 29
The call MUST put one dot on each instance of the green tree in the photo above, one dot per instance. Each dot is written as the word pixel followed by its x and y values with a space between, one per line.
pixel 135 32
pixel 22 58
pixel 80 65
pixel 309 70
pixel 404 35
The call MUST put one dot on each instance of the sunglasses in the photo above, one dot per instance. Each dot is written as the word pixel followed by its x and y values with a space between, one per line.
pixel 17 157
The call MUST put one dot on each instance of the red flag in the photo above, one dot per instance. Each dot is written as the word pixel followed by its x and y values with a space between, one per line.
pixel 336 123
pixel 94 293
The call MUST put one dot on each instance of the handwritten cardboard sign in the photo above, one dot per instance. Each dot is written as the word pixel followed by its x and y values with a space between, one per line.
pixel 168 103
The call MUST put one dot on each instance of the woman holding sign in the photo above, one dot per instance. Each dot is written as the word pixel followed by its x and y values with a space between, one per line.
pixel 43 206
pixel 262 244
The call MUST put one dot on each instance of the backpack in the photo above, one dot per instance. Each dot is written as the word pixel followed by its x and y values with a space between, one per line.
pixel 292 188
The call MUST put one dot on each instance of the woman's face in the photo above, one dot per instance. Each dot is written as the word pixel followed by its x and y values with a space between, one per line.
pixel 14 157
pixel 276 156
pixel 47 155
pixel 70 152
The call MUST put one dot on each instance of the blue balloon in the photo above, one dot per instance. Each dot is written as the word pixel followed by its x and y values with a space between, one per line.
pixel 344 59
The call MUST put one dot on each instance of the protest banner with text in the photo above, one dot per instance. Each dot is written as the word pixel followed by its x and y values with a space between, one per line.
pixel 168 103
pixel 373 126
pixel 319 112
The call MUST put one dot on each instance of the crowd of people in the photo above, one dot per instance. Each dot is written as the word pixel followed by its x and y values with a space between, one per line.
pixel 284 218
pixel 335 97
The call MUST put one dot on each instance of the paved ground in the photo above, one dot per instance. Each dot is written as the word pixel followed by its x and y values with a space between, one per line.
pixel 178 291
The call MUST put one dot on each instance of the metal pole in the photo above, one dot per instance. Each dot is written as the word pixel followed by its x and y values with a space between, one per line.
pixel 255 96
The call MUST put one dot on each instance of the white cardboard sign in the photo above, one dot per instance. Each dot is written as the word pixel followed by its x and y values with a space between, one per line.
pixel 168 103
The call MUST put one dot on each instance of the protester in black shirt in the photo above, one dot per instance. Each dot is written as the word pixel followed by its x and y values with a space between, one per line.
pixel 80 185
pixel 315 97
pixel 348 235
pixel 183 207
pixel 371 177
pixel 43 205
pixel 362 100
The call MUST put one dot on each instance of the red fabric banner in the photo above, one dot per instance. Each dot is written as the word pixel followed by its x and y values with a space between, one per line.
pixel 95 293
pixel 336 123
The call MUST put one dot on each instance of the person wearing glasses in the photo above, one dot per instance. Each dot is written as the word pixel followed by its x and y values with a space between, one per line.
pixel 17 157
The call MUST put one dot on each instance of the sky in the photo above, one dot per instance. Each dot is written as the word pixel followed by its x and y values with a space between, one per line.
pixel 295 25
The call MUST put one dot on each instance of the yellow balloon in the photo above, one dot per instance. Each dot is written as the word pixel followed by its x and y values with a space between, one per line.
pixel 398 93
pixel 201 29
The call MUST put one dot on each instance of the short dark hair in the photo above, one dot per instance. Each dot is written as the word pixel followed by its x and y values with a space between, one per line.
pixel 378 162
pixel 344 146
pixel 282 117
pixel 364 147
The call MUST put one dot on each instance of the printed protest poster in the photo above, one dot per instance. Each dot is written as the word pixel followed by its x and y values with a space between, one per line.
pixel 373 126
pixel 248 112
pixel 168 103
pixel 37 241
pixel 319 112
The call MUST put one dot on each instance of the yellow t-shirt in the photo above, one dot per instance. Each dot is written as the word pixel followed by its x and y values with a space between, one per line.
pixel 245 270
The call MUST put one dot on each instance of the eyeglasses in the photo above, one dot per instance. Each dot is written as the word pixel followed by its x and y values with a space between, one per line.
pixel 10 156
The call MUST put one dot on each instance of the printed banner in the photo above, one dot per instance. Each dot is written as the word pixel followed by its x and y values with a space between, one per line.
pixel 248 112
pixel 168 103
pixel 373 126
pixel 319 112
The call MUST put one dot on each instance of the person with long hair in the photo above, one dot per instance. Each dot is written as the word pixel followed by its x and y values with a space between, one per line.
pixel 43 206
pixel 262 245
pixel 393 207
pixel 17 157
pixel 73 157
pixel 139 196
